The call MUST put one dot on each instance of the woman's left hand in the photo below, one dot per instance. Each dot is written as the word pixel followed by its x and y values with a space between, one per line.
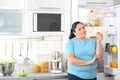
pixel 99 36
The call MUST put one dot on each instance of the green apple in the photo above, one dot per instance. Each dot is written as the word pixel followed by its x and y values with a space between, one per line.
pixel 22 72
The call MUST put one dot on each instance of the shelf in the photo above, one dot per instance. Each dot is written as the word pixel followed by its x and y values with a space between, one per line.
pixel 111 34
pixel 112 71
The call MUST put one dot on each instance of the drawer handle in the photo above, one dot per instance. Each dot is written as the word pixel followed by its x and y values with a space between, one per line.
pixel 50 8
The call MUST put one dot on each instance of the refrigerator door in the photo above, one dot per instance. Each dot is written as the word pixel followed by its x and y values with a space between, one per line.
pixel 112 60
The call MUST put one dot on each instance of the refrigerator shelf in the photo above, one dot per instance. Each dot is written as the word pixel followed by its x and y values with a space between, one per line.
pixel 109 14
pixel 112 71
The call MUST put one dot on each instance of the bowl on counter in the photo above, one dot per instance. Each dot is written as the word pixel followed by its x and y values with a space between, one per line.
pixel 22 73
pixel 7 68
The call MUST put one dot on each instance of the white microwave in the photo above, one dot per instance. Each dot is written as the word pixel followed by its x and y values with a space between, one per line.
pixel 47 23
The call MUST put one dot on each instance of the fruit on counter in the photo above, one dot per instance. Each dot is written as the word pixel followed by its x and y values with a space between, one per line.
pixel 22 72
pixel 5 60
pixel 113 64
pixel 114 49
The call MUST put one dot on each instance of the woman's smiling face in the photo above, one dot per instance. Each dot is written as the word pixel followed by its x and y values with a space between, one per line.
pixel 80 31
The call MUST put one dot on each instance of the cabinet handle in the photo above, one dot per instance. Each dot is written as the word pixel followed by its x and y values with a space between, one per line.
pixel 50 8
pixel 96 3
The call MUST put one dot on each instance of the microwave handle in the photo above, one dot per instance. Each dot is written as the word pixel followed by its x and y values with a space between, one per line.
pixel 35 22
pixel 49 8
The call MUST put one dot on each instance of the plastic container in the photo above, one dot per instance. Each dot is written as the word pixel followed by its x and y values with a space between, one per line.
pixel 111 30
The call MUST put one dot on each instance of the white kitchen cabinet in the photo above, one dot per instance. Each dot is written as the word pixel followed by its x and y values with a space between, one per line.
pixel 96 2
pixel 11 16
pixel 74 11
pixel 48 4
pixel 11 4
pixel 34 8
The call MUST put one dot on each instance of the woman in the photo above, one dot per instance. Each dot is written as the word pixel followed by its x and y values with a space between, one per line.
pixel 82 53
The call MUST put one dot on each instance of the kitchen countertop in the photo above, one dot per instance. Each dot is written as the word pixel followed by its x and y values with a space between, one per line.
pixel 36 76
pixel 48 76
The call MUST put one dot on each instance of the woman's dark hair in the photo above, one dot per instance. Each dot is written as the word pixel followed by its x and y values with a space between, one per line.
pixel 73 29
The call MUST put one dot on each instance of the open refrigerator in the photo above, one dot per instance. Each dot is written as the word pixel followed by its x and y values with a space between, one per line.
pixel 112 47
pixel 110 27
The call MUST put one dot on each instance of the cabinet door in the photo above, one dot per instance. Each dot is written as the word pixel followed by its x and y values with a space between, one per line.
pixel 11 4
pixel 10 21
pixel 95 2
pixel 48 4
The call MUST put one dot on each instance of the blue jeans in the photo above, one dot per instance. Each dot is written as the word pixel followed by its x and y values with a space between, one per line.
pixel 73 77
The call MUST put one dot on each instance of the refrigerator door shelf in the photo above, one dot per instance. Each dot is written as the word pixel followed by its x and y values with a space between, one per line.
pixel 112 71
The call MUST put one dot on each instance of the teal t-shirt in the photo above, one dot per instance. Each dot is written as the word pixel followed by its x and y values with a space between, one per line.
pixel 85 50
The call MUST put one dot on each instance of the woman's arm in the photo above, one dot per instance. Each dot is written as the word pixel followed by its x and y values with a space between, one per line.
pixel 99 51
pixel 73 60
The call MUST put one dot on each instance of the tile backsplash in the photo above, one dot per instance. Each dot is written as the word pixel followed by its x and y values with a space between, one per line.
pixel 38 49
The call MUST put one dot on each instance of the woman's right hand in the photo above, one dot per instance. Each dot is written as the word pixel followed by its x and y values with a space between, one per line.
pixel 99 36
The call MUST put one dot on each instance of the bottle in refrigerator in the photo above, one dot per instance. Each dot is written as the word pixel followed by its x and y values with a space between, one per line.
pixel 93 18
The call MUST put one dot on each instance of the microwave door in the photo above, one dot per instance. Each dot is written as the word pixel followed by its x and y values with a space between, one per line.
pixel 47 22
pixel 35 22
